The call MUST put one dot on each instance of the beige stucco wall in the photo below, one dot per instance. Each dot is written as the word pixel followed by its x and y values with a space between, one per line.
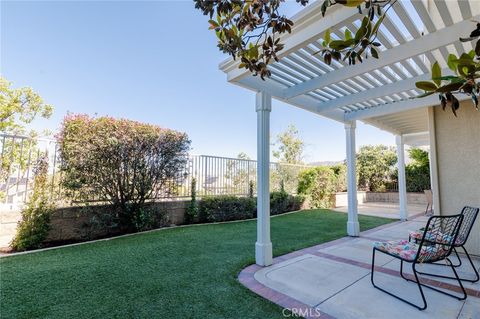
pixel 458 158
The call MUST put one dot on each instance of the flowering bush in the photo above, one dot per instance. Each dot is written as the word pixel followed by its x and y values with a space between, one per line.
pixel 120 161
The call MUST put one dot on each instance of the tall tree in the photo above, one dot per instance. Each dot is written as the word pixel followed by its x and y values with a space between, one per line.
pixel 19 107
pixel 375 165
pixel 290 146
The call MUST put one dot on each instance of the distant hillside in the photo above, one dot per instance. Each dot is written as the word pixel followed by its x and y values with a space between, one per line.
pixel 326 163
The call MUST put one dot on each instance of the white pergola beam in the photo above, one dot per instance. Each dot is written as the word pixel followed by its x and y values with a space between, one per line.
pixel 378 92
pixel 304 102
pixel 396 107
pixel 412 48
pixel 307 28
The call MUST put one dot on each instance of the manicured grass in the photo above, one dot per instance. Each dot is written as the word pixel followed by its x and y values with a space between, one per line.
pixel 188 272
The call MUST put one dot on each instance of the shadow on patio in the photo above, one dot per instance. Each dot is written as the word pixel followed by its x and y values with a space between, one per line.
pixel 332 280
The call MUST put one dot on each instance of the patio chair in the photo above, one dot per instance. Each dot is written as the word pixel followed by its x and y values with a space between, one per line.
pixel 435 245
pixel 429 198
pixel 469 216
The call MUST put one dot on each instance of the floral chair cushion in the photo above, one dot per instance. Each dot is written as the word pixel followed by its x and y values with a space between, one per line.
pixel 406 250
pixel 438 237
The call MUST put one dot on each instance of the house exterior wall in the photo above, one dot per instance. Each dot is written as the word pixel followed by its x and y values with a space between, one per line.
pixel 458 159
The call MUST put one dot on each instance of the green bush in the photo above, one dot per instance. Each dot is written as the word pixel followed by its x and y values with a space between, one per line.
pixel 282 202
pixel 34 226
pixel 119 161
pixel 318 185
pixel 375 164
pixel 417 173
pixel 418 178
pixel 340 171
pixel 192 210
pixel 105 220
pixel 226 208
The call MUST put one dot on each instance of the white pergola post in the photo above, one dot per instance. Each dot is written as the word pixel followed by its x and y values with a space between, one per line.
pixel 353 227
pixel 402 184
pixel 263 246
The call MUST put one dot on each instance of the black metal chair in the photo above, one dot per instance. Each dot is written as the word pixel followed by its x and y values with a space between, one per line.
pixel 469 216
pixel 435 245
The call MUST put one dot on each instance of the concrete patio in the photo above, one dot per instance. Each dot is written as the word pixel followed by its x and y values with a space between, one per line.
pixel 332 280
pixel 382 209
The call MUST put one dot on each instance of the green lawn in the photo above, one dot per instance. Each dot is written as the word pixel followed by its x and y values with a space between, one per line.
pixel 187 272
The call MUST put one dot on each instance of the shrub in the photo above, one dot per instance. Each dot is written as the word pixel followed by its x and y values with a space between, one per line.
pixel 318 184
pixel 34 226
pixel 418 178
pixel 105 222
pixel 340 172
pixel 226 208
pixel 120 161
pixel 282 202
pixel 192 210
pixel 417 173
pixel 375 164
pixel 251 190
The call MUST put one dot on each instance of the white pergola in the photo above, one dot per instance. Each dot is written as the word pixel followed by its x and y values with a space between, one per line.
pixel 379 92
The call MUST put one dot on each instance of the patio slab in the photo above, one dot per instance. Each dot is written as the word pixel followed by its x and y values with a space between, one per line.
pixel 358 249
pixel 383 209
pixel 310 278
pixel 333 279
pixel 361 300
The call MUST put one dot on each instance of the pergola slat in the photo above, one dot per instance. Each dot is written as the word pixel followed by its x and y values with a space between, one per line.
pixel 385 90
pixel 415 47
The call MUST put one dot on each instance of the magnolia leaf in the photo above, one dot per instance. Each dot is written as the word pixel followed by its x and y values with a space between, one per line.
pixel 452 62
pixel 377 24
pixel 362 30
pixel 477 48
pixel 426 86
pixel 436 73
pixel 423 95
pixel 351 3
pixel 348 34
pixel 338 45
pixel 450 87
pixel 374 52
pixel 327 37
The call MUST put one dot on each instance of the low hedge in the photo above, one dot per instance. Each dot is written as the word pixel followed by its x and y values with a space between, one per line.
pixel 228 208
pixel 282 202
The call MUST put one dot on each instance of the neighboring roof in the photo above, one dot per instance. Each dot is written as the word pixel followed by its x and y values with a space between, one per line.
pixel 379 92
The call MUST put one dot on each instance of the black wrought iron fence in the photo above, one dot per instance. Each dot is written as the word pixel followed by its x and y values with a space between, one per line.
pixel 214 175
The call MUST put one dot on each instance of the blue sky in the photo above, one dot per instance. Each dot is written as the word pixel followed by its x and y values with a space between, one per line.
pixel 155 62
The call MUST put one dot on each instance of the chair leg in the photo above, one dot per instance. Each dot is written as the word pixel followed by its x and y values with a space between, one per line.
pixel 477 277
pixel 458 258
pixel 401 270
pixel 415 272
pixel 393 295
